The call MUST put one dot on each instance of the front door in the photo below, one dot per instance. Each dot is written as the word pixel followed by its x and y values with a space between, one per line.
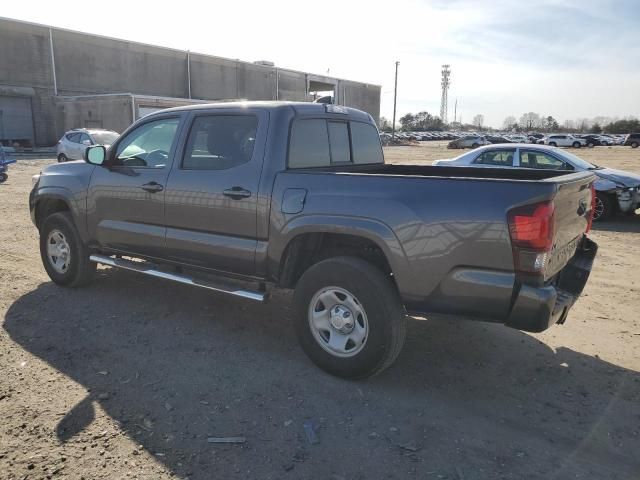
pixel 211 196
pixel 125 201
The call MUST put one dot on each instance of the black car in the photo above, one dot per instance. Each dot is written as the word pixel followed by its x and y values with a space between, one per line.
pixel 632 140
pixel 592 140
pixel 497 139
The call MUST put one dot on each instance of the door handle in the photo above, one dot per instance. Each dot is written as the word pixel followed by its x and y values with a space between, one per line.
pixel 237 193
pixel 152 187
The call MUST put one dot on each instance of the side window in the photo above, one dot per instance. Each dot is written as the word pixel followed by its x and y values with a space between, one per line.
pixel 533 159
pixel 500 158
pixel 309 145
pixel 74 137
pixel 339 141
pixel 218 142
pixel 85 139
pixel 148 145
pixel 365 142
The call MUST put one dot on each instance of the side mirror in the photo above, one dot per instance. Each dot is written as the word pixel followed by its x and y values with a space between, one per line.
pixel 95 155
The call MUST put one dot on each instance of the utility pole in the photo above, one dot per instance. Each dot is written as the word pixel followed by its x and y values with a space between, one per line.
pixel 455 111
pixel 395 97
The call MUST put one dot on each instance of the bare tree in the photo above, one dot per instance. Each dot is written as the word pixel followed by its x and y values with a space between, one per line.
pixel 509 122
pixel 478 120
pixel 529 120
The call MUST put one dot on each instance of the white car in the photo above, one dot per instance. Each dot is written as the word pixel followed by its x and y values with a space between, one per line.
pixel 564 140
pixel 518 138
pixel 73 144
pixel 616 190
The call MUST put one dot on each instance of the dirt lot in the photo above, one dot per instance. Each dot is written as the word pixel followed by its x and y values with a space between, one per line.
pixel 129 377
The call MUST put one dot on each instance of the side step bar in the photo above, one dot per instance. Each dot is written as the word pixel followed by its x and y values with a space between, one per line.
pixel 148 269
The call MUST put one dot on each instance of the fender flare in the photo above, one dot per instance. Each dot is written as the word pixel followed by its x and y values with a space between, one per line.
pixel 377 232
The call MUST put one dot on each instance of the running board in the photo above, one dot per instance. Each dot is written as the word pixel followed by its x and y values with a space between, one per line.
pixel 150 270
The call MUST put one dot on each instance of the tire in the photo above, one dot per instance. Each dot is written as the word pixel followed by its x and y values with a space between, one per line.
pixel 576 144
pixel 3 177
pixel 591 145
pixel 604 207
pixel 59 229
pixel 634 144
pixel 553 144
pixel 371 302
pixel 62 158
pixel 475 145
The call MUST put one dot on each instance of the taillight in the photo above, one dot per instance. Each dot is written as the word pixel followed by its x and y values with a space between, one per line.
pixel 591 212
pixel 532 228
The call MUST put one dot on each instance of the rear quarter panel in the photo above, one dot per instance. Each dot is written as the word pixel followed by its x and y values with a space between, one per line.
pixel 432 225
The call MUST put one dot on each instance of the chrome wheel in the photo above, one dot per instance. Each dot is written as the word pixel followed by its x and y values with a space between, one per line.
pixel 599 208
pixel 338 322
pixel 58 251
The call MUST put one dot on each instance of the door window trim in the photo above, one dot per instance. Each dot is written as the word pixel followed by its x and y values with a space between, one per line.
pixel 191 122
pixel 154 118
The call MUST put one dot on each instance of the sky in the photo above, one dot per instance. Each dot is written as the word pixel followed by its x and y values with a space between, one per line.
pixel 569 59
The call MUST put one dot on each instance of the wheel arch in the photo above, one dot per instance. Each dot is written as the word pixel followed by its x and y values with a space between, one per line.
pixel 307 240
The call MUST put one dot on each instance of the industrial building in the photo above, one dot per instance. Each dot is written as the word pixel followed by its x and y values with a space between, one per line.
pixel 53 79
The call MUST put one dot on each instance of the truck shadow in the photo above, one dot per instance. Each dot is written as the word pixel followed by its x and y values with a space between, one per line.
pixel 173 366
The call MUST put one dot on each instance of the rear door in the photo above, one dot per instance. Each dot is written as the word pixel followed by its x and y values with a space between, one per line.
pixel 126 197
pixel 212 191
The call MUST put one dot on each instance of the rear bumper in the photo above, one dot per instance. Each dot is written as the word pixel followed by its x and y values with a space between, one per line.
pixel 499 297
pixel 537 308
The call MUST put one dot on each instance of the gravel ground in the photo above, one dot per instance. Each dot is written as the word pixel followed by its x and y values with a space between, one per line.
pixel 130 377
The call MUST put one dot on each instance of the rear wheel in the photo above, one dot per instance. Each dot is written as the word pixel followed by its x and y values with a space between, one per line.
pixel 576 144
pixel 634 144
pixel 348 317
pixel 62 158
pixel 3 177
pixel 553 144
pixel 591 145
pixel 475 145
pixel 603 207
pixel 64 256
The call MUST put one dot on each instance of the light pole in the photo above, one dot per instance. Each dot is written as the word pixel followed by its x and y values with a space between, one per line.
pixel 395 96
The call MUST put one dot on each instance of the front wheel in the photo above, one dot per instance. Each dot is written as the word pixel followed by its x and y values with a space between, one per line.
pixel 553 144
pixel 576 144
pixel 64 256
pixel 3 177
pixel 603 207
pixel 348 317
pixel 62 158
pixel 475 145
pixel 634 144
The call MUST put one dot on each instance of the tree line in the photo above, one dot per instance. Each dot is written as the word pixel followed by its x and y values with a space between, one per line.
pixel 528 122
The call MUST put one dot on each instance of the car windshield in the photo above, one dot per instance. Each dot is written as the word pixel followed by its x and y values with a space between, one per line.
pixel 104 138
pixel 577 161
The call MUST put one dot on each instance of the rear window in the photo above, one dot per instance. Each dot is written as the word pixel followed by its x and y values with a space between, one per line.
pixel 309 144
pixel 366 143
pixel 320 143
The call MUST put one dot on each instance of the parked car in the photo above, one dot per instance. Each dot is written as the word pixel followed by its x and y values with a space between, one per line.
pixel 259 197
pixel 72 144
pixel 616 190
pixel 564 141
pixel 497 139
pixel 469 141
pixel 518 138
pixel 632 140
pixel 591 140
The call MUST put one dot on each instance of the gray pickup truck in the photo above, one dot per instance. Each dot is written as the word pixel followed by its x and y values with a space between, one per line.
pixel 241 198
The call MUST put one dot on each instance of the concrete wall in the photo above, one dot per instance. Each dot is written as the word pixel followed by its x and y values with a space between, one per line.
pixel 86 64
pixel 111 112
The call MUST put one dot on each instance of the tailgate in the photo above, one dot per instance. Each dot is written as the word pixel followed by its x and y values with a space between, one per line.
pixel 572 215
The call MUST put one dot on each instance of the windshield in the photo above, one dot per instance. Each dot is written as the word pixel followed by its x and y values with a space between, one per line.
pixel 576 161
pixel 104 138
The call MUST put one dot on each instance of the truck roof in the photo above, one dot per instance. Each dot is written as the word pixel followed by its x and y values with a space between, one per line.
pixel 300 108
